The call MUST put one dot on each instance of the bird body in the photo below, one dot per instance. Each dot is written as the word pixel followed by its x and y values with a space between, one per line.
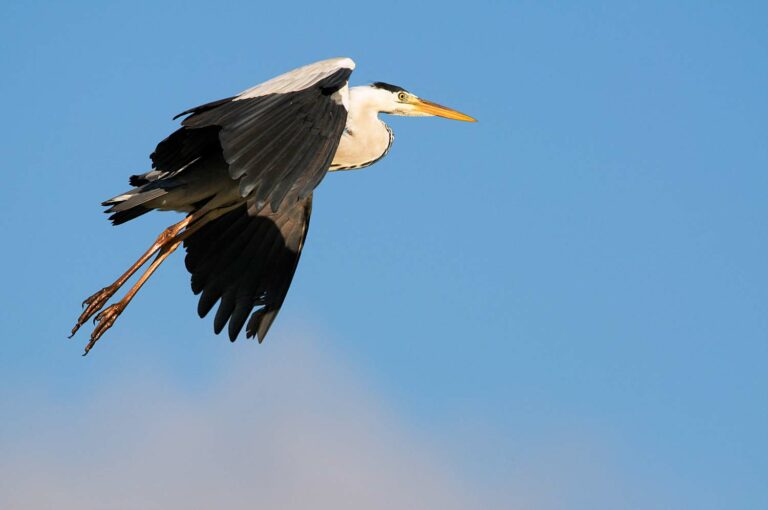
pixel 244 169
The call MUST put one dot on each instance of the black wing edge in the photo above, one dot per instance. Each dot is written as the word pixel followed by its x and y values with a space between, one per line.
pixel 205 107
pixel 328 85
pixel 246 261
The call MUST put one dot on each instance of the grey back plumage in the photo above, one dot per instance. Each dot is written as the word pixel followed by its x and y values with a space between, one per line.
pixel 279 143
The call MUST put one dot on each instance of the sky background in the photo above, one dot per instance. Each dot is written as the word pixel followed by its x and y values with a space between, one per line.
pixel 563 306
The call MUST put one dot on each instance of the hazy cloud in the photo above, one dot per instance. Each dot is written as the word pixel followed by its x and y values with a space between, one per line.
pixel 289 430
pixel 298 435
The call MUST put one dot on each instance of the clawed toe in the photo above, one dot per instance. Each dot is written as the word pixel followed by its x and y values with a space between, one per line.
pixel 104 320
pixel 93 304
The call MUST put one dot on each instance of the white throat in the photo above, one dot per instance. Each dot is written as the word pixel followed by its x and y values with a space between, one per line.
pixel 366 138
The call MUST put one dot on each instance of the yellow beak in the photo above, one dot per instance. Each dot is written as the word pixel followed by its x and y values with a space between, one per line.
pixel 431 108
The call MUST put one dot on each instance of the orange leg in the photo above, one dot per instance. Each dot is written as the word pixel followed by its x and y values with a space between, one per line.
pixel 106 318
pixel 99 299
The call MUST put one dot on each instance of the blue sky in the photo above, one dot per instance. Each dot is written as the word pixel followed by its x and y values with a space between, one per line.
pixel 564 305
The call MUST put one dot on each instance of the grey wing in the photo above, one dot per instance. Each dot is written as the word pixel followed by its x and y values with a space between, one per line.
pixel 279 138
pixel 247 259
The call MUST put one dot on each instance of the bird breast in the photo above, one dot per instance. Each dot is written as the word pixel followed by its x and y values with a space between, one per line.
pixel 362 144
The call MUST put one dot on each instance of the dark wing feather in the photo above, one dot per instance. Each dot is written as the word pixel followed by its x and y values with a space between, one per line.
pixel 205 107
pixel 184 146
pixel 247 259
pixel 178 151
pixel 278 144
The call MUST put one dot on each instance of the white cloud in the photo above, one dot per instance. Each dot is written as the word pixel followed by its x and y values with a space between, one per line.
pixel 298 435
pixel 285 428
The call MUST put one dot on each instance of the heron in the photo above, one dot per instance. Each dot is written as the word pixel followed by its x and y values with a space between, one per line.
pixel 243 169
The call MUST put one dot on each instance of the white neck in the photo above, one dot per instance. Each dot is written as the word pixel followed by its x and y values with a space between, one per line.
pixel 368 101
pixel 366 138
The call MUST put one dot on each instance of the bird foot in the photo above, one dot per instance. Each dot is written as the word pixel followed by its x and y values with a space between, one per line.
pixel 93 304
pixel 104 320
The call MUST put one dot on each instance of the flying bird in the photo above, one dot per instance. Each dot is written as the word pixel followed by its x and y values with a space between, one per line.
pixel 244 170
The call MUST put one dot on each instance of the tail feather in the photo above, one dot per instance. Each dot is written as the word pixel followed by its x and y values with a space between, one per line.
pixel 132 204
pixel 121 217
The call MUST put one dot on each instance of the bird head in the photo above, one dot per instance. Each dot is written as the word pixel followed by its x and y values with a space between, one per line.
pixel 398 101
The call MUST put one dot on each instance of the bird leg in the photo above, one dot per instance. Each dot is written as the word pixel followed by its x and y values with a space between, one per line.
pixel 107 317
pixel 95 303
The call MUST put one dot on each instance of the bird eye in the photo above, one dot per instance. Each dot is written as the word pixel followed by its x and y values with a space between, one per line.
pixel 401 96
